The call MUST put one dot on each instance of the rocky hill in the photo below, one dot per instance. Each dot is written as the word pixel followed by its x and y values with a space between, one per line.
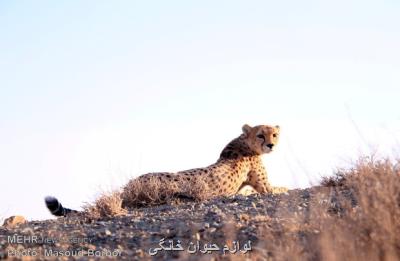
pixel 354 215
pixel 239 226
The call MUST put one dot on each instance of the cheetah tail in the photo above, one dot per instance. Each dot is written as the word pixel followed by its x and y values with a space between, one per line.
pixel 56 208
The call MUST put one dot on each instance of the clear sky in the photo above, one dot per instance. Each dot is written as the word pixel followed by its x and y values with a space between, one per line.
pixel 93 93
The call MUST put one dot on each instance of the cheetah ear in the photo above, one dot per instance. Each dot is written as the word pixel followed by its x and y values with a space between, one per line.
pixel 246 129
pixel 278 127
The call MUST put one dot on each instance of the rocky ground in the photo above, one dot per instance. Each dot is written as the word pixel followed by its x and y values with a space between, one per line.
pixel 220 229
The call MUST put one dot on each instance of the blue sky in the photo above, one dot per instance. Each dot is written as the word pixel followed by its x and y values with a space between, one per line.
pixel 93 93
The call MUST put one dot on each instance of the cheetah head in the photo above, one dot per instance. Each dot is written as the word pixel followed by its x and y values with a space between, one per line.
pixel 262 138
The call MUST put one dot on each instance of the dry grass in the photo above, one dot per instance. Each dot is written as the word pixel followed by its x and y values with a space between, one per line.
pixel 140 192
pixel 354 215
pixel 361 220
pixel 372 228
pixel 107 205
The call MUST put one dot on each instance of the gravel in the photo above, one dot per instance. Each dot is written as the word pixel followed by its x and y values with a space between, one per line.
pixel 219 221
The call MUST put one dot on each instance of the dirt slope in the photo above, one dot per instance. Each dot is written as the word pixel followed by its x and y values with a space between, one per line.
pixel 220 221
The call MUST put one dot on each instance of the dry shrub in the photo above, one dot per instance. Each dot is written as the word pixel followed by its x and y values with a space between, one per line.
pixel 141 192
pixel 356 216
pixel 371 230
pixel 198 189
pixel 337 180
pixel 107 205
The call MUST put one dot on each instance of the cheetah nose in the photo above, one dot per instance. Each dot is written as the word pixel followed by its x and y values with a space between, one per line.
pixel 270 145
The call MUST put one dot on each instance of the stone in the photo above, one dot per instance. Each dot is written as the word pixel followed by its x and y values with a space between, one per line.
pixel 14 221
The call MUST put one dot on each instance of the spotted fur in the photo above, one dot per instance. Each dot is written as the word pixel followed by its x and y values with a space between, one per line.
pixel 239 165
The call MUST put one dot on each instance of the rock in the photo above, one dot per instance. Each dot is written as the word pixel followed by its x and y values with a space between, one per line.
pixel 254 218
pixel 212 230
pixel 247 190
pixel 14 221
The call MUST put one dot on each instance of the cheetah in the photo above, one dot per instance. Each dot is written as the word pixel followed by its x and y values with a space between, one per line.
pixel 238 168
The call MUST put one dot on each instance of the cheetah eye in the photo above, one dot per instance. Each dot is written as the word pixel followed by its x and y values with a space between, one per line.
pixel 274 135
pixel 260 136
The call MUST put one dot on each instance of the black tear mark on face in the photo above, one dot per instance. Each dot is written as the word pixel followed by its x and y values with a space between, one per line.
pixel 261 136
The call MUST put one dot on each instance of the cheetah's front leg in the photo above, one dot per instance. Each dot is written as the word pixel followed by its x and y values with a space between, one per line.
pixel 258 180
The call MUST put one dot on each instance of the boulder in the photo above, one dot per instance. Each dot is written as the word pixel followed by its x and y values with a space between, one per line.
pixel 13 221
